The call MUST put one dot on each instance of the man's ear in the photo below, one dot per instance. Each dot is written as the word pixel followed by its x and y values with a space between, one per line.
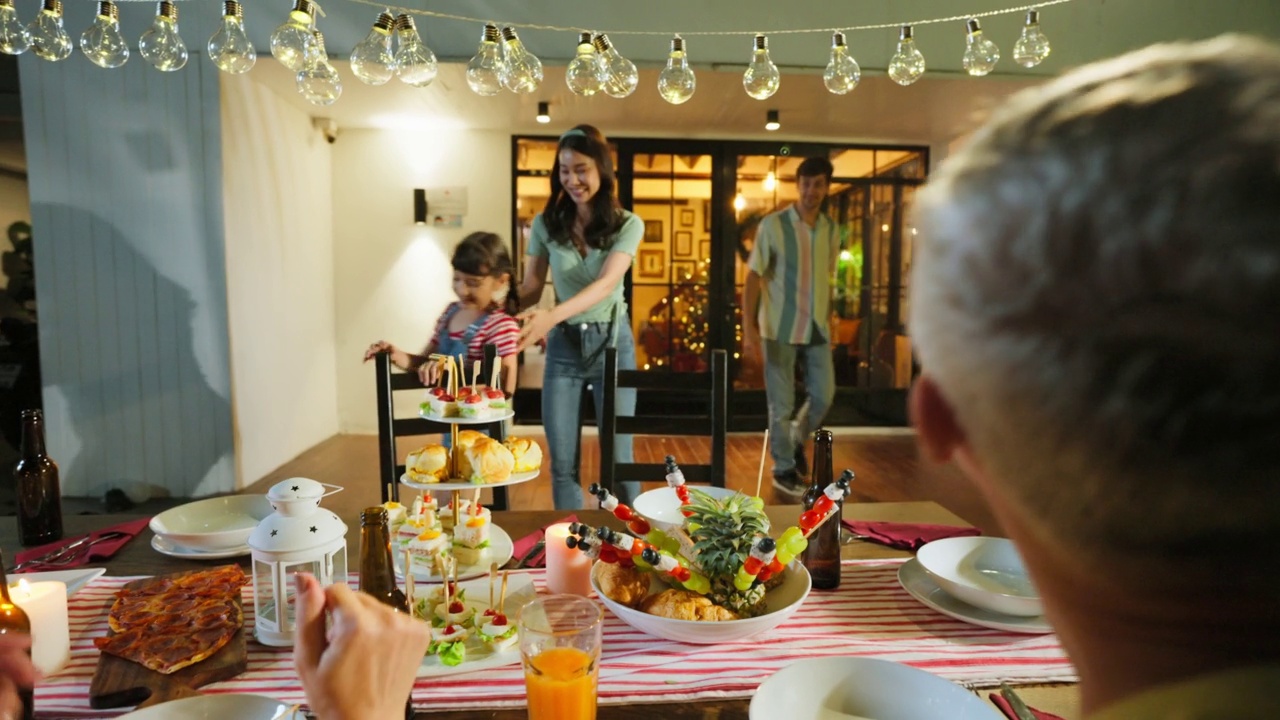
pixel 934 420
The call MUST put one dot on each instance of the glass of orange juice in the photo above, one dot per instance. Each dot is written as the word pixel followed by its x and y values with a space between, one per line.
pixel 560 644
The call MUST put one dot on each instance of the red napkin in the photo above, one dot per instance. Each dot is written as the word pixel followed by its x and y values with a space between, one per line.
pixel 1003 704
pixel 521 547
pixel 905 536
pixel 98 552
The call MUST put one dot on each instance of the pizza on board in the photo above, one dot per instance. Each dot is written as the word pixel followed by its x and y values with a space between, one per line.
pixel 168 623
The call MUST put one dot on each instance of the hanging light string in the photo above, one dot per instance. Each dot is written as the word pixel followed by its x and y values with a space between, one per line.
pixel 707 33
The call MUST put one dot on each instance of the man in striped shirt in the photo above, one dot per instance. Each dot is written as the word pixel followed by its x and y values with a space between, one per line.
pixel 788 315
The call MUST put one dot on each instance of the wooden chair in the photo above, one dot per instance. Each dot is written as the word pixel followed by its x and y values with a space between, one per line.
pixel 391 427
pixel 711 386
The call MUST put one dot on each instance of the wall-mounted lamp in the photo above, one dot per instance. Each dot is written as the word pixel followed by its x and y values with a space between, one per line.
pixel 419 206
pixel 771 120
pixel 544 112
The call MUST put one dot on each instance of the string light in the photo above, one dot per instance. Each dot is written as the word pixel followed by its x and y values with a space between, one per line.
pixel 761 80
pixel 318 81
pixel 229 47
pixel 907 64
pixel 980 54
pixel 1032 47
pixel 103 43
pixel 14 38
pixel 521 70
pixel 161 45
pixel 677 82
pixel 583 73
pixel 49 40
pixel 372 60
pixel 484 72
pixel 415 62
pixel 618 75
pixel 842 73
pixel 292 42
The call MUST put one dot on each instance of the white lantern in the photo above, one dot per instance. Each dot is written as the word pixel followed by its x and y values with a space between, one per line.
pixel 299 536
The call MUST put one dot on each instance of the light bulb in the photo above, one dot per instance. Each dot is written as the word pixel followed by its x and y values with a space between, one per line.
pixel 415 63
pixel 842 73
pixel 618 76
pixel 522 72
pixel 14 38
pixel 771 121
pixel 48 38
pixel 103 43
pixel 292 43
pixel 1032 47
pixel 161 45
pixel 907 64
pixel 372 60
pixel 761 79
pixel 980 54
pixel 544 113
pixel 739 202
pixel 484 72
pixel 770 182
pixel 229 47
pixel 676 83
pixel 318 81
pixel 583 74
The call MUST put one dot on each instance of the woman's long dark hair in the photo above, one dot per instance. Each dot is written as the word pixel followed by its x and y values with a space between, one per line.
pixel 484 253
pixel 561 211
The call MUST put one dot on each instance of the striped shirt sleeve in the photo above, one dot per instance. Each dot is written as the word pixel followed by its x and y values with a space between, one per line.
pixel 499 329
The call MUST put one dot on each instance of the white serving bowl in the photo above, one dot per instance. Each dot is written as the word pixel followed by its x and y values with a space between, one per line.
pixel 220 523
pixel 782 602
pixel 982 571
pixel 216 707
pixel 856 688
pixel 661 507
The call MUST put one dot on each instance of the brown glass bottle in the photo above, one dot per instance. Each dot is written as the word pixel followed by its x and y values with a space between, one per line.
pixel 377 574
pixel 14 620
pixel 822 556
pixel 36 484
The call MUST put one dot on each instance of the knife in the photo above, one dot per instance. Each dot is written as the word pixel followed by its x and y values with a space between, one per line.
pixel 1015 703
pixel 533 553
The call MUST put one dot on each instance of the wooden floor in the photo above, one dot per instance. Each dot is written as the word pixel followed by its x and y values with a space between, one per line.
pixel 887 465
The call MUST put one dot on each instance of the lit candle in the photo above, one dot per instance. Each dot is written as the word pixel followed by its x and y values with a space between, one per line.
pixel 45 604
pixel 568 569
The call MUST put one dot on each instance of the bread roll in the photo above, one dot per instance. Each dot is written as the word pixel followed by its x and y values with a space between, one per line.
pixel 427 464
pixel 486 461
pixel 528 453
pixel 685 605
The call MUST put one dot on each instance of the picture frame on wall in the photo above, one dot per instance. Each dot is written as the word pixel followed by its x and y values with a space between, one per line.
pixel 686 217
pixel 651 263
pixel 682 268
pixel 653 231
pixel 704 248
pixel 706 216
pixel 684 243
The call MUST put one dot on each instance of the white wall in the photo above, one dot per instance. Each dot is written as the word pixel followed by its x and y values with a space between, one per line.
pixel 391 277
pixel 280 279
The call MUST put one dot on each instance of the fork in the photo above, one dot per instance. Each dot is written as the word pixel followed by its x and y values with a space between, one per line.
pixel 67 554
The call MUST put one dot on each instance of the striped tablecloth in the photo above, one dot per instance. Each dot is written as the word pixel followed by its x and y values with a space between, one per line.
pixel 869 616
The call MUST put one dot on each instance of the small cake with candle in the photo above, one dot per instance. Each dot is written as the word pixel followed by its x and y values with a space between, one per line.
pixel 497 631
pixel 475 407
pixel 471 538
pixel 455 613
pixel 428 544
pixel 449 643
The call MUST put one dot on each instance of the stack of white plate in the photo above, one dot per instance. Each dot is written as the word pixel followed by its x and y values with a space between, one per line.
pixel 979 580
pixel 209 529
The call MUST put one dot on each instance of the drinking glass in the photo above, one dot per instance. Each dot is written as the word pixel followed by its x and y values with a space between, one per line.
pixel 560 646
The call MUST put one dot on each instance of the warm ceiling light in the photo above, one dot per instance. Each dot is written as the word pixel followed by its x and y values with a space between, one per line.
pixel 739 203
pixel 770 182
pixel 771 120
pixel 419 206
pixel 544 112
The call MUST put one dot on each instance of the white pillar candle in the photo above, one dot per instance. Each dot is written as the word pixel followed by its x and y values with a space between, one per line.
pixel 45 604
pixel 568 569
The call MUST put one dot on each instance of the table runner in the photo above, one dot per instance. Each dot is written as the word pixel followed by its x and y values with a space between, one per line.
pixel 870 615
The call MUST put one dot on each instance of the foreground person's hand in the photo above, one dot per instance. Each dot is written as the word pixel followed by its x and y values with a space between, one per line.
pixel 16 671
pixel 363 667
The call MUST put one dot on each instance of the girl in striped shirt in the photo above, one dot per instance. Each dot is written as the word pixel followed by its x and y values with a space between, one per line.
pixel 482 276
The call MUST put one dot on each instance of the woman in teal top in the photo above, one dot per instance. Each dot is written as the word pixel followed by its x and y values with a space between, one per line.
pixel 587 241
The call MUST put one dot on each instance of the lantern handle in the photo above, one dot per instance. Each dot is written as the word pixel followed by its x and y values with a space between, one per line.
pixel 335 489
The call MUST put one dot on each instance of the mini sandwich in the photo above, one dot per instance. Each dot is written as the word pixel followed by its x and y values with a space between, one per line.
pixel 424 547
pixel 396 516
pixel 440 404
pixel 487 461
pixel 498 403
pixel 527 454
pixel 497 631
pixel 449 643
pixel 411 528
pixel 471 539
pixel 446 514
pixel 475 407
pixel 455 614
pixel 427 464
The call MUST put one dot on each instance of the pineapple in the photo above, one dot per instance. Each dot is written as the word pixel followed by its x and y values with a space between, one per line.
pixel 722 532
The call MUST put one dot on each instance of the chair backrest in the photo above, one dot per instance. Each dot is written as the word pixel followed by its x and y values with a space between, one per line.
pixel 390 427
pixel 713 385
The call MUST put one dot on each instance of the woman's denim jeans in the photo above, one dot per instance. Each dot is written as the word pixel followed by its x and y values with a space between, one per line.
pixel 567 371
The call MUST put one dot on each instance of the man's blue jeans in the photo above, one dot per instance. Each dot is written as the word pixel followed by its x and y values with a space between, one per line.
pixel 780 388
pixel 567 371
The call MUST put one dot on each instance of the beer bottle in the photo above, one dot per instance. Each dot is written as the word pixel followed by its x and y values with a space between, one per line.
pixel 36 483
pixel 14 620
pixel 822 556
pixel 377 574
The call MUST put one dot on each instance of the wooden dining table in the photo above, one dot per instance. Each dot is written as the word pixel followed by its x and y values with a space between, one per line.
pixel 138 558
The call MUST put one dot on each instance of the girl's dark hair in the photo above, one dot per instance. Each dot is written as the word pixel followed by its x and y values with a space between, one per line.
pixel 484 253
pixel 606 216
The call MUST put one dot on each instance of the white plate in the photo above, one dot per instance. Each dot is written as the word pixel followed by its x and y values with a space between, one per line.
pixel 500 551
pixel 782 602
pixel 218 707
pixel 520 590
pixel 661 506
pixel 515 479
pixel 164 547
pixel 455 420
pixel 855 688
pixel 214 524
pixel 917 581
pixel 983 571
pixel 75 579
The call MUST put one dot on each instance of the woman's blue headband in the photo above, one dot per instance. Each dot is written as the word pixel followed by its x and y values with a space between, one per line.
pixel 575 132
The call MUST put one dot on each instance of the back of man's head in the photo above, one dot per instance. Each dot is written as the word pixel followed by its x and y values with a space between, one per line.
pixel 1097 296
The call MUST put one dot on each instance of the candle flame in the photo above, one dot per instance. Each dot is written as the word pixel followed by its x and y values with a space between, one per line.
pixel 23 586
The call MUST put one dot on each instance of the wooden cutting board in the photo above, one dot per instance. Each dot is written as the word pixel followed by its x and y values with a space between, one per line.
pixel 122 683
